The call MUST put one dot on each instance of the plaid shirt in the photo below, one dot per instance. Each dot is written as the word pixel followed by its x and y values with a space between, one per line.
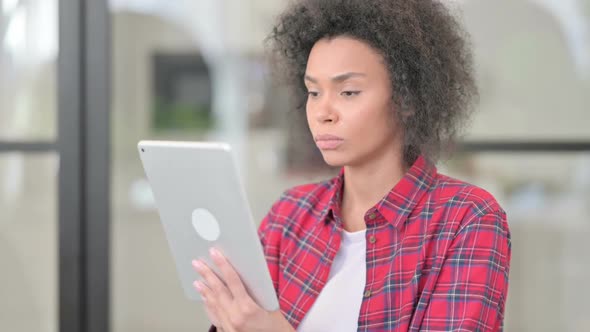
pixel 437 259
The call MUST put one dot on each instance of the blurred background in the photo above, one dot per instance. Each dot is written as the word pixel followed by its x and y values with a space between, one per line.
pixel 82 81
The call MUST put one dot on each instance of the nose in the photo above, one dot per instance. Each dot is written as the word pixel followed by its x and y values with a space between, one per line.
pixel 324 110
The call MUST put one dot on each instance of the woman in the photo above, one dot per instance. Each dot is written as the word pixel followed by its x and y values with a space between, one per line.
pixel 389 244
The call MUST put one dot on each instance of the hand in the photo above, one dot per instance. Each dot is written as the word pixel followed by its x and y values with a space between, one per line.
pixel 228 305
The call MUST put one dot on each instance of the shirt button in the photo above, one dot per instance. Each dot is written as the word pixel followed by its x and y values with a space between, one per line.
pixel 372 239
pixel 372 216
pixel 367 293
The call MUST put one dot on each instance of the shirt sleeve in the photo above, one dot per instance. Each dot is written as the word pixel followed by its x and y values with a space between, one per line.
pixel 471 290
pixel 270 234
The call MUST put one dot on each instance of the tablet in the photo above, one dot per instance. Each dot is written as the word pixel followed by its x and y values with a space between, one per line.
pixel 202 204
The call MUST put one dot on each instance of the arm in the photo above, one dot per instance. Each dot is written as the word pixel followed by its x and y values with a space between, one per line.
pixel 471 289
pixel 270 234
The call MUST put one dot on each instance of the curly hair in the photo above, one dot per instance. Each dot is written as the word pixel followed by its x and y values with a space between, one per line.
pixel 424 47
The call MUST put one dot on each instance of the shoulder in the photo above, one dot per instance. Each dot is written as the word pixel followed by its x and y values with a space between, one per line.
pixel 297 209
pixel 309 192
pixel 306 199
pixel 457 193
pixel 463 206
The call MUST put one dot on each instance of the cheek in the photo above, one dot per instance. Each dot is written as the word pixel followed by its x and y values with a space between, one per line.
pixel 308 119
pixel 374 117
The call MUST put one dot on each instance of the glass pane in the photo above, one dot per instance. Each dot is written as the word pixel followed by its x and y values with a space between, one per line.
pixel 28 242
pixel 140 257
pixel 175 77
pixel 547 200
pixel 533 69
pixel 28 60
pixel 193 70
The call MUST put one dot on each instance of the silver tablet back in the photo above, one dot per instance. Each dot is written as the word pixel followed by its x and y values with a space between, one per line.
pixel 202 204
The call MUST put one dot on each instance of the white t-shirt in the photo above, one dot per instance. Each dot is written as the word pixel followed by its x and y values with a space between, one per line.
pixel 338 305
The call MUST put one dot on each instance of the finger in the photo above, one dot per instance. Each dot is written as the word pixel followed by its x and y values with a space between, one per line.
pixel 218 290
pixel 204 291
pixel 212 314
pixel 231 277
pixel 217 314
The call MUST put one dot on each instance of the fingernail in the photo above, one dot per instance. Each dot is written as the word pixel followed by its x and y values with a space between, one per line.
pixel 198 264
pixel 214 252
pixel 197 284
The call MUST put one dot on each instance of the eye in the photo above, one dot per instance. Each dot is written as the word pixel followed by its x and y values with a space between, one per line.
pixel 349 93
pixel 312 94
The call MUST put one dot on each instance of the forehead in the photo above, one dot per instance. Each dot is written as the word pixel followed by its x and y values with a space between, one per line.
pixel 337 55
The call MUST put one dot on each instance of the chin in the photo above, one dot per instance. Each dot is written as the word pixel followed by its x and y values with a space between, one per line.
pixel 335 159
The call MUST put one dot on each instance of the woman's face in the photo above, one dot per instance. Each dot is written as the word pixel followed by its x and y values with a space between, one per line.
pixel 349 109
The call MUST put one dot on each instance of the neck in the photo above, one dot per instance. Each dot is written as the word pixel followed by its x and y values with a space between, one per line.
pixel 366 184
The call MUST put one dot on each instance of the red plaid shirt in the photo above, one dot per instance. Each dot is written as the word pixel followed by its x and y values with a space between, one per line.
pixel 437 259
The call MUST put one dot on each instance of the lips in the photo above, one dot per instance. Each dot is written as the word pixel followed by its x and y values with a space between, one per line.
pixel 328 142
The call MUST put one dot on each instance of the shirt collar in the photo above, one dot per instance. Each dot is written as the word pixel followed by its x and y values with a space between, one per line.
pixel 398 203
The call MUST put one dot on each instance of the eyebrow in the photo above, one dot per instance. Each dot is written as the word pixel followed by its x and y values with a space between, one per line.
pixel 337 78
